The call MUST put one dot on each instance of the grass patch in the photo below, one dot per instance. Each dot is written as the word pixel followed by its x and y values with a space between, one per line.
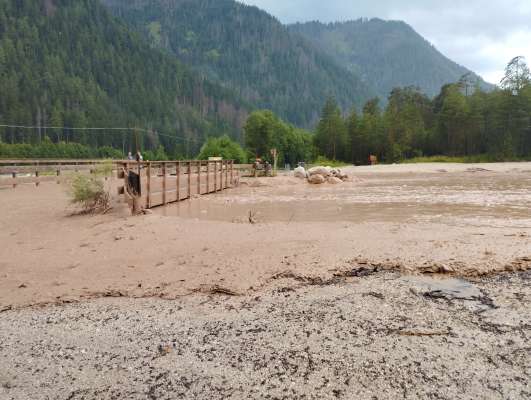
pixel 325 162
pixel 482 158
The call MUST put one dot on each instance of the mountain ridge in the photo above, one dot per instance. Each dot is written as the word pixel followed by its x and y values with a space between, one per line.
pixel 249 51
pixel 386 54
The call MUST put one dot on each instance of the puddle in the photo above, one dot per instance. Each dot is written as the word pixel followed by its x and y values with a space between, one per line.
pixel 450 289
pixel 447 287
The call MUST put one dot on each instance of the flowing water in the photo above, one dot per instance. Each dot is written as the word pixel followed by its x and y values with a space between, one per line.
pixel 476 198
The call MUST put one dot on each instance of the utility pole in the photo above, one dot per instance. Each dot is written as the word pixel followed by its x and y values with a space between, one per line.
pixel 136 139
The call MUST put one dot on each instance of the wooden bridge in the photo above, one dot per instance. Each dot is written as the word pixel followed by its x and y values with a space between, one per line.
pixel 156 183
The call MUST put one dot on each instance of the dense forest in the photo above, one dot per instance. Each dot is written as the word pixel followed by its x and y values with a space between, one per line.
pixel 70 64
pixel 248 51
pixel 385 54
pixel 461 120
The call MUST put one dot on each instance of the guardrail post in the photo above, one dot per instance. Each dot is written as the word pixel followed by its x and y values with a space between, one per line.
pixel 14 174
pixel 37 178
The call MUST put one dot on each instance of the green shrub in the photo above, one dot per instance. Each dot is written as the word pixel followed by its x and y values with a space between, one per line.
pixel 157 155
pixel 224 147
pixel 89 192
pixel 325 162
pixel 104 169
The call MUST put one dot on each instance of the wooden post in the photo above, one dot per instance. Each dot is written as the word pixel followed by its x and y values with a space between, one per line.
pixel 163 183
pixel 226 174
pixel 58 173
pixel 148 186
pixel 231 173
pixel 215 176
pixel 220 176
pixel 199 177
pixel 189 179
pixel 208 177
pixel 14 174
pixel 178 173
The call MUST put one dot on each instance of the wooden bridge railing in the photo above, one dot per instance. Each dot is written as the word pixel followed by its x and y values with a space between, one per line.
pixel 162 182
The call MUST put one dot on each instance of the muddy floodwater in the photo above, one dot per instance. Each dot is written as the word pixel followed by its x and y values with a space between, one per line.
pixel 473 196
pixel 409 281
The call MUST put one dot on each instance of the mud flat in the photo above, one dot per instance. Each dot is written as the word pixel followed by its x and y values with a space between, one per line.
pixel 326 294
pixel 465 220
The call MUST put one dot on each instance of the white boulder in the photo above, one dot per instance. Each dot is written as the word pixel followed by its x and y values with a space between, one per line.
pixel 300 172
pixel 323 171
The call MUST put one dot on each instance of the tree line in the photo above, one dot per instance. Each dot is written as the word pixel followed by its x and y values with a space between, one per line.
pixel 462 120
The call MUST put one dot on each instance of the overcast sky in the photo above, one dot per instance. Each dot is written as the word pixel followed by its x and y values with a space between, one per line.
pixel 482 35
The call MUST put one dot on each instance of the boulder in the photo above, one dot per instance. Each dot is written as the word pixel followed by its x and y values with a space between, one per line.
pixel 300 172
pixel 334 180
pixel 323 171
pixel 316 179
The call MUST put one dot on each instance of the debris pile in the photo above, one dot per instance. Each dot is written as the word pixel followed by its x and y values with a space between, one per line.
pixel 319 175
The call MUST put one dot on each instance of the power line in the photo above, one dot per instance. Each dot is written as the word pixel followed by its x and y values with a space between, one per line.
pixel 184 139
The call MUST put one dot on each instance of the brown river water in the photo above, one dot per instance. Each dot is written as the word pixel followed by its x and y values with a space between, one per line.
pixel 499 198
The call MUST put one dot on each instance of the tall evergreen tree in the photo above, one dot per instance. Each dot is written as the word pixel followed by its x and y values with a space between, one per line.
pixel 331 135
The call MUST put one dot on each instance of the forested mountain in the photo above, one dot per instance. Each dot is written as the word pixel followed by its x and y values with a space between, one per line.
pixel 248 51
pixel 71 64
pixel 386 54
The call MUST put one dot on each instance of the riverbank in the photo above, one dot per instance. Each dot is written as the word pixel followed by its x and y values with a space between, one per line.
pixel 370 335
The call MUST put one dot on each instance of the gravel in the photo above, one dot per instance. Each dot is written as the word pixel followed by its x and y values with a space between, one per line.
pixel 372 337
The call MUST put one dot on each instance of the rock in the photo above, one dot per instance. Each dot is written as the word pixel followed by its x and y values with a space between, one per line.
pixel 335 172
pixel 300 172
pixel 316 179
pixel 323 171
pixel 334 180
